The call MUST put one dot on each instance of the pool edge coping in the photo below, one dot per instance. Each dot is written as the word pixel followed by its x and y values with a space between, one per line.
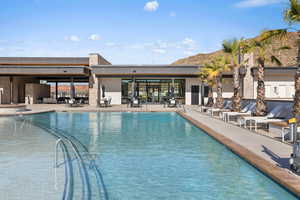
pixel 279 175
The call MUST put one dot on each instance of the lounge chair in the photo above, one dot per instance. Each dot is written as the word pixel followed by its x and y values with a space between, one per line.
pixel 261 121
pixel 247 110
pixel 227 106
pixel 274 113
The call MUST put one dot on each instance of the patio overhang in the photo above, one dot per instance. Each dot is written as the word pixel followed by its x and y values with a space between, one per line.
pixel 39 70
pixel 145 71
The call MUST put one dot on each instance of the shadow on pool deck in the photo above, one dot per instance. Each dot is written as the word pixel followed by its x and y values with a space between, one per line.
pixel 281 162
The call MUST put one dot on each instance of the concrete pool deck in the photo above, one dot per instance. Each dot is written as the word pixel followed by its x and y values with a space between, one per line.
pixel 266 154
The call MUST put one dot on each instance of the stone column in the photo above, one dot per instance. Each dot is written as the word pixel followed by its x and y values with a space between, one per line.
pixel 94 86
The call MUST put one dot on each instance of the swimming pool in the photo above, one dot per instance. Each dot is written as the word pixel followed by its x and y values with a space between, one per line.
pixel 148 156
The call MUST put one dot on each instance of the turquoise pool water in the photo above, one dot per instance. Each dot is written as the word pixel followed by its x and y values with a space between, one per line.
pixel 149 156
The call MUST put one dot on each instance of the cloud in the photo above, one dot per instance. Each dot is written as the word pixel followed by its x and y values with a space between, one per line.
pixel 151 6
pixel 94 37
pixel 72 38
pixel 188 53
pixel 256 3
pixel 159 51
pixel 173 14
pixel 189 44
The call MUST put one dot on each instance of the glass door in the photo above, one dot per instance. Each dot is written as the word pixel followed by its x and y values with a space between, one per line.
pixel 153 94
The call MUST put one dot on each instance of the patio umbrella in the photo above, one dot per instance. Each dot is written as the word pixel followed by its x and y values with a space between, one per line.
pixel 103 91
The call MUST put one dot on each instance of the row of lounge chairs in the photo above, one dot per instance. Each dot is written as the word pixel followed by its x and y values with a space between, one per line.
pixel 247 119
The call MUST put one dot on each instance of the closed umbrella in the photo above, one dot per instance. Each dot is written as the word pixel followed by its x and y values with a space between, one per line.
pixel 172 92
pixel 103 91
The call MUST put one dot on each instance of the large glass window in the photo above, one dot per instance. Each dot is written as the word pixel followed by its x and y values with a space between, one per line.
pixel 153 90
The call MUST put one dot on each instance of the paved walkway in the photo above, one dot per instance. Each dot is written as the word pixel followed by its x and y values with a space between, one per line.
pixel 274 151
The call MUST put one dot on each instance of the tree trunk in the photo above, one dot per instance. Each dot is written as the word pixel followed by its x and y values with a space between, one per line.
pixel 236 99
pixel 297 83
pixel 210 101
pixel 219 100
pixel 261 106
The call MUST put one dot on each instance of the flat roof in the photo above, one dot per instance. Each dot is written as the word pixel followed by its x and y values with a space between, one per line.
pixel 44 61
pixel 290 70
pixel 145 70
pixel 51 70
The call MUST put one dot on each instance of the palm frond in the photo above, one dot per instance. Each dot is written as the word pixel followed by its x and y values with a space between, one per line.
pixel 268 35
pixel 292 13
pixel 283 48
pixel 275 60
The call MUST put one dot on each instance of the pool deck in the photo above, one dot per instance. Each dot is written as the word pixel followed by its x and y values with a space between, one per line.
pixel 265 153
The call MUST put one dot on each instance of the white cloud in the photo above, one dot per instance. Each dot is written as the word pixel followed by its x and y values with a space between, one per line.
pixel 189 44
pixel 160 51
pixel 94 37
pixel 256 3
pixel 151 6
pixel 173 14
pixel 188 53
pixel 73 38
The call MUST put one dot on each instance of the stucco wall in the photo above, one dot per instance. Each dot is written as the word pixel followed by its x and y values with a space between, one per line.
pixel 35 91
pixel 5 84
pixel 277 87
pixel 227 88
pixel 189 82
pixel 113 88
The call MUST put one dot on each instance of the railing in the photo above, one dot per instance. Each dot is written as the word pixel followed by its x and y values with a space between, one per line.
pixel 65 140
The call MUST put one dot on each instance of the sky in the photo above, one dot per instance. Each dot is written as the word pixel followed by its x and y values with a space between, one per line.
pixel 131 31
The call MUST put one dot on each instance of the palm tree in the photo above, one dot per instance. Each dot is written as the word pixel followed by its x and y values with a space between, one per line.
pixel 214 69
pixel 260 47
pixel 292 17
pixel 233 48
pixel 203 76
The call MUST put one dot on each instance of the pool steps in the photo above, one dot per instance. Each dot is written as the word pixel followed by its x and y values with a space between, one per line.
pixel 67 143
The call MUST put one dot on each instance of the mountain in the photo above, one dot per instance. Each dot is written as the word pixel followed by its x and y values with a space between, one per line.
pixel 287 57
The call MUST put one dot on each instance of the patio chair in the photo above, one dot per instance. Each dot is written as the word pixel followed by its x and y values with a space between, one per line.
pixel 135 103
pixel 247 110
pixel 172 103
pixel 105 102
pixel 73 103
pixel 274 113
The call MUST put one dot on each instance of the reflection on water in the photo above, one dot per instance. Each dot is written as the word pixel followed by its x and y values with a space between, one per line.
pixel 162 156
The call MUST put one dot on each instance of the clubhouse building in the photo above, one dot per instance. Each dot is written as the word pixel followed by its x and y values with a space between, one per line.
pixel 29 80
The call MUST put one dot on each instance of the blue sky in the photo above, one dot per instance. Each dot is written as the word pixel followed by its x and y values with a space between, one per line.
pixel 131 31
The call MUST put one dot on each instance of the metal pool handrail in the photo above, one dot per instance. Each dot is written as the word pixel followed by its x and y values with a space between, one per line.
pixel 69 185
pixel 84 174
pixel 69 179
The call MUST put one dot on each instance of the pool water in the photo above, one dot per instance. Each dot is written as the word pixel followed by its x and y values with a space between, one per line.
pixel 149 156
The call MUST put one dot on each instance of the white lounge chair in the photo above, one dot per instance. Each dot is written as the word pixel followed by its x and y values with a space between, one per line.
pixel 227 106
pixel 272 114
pixel 247 110
pixel 283 112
